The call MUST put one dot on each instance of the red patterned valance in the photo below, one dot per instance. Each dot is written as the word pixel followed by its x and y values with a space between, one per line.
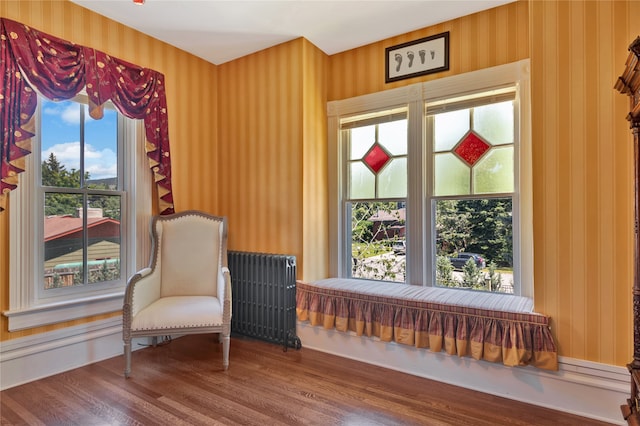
pixel 59 69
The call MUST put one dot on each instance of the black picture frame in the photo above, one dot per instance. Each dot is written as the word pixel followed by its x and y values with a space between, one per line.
pixel 415 58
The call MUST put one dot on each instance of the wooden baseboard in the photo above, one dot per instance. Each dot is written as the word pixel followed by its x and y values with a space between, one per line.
pixel 31 358
pixel 580 387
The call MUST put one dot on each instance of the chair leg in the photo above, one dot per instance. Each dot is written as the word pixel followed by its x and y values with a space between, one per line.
pixel 225 351
pixel 127 359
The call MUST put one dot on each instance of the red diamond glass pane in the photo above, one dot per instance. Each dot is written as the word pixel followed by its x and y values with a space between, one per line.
pixel 471 148
pixel 376 158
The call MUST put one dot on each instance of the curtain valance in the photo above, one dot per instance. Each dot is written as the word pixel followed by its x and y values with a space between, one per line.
pixel 484 326
pixel 59 69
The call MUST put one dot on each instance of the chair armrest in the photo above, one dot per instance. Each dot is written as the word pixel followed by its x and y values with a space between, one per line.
pixel 224 292
pixel 143 288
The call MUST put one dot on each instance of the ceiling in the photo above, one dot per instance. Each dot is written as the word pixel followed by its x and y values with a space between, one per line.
pixel 219 31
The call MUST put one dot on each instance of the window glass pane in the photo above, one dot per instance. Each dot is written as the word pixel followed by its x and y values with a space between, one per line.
pixel 474 244
pixel 392 180
pixel 60 144
pixel 63 240
pixel 494 172
pixel 101 150
pixel 361 140
pixel 103 252
pixel 393 136
pixel 65 230
pixel 452 176
pixel 494 122
pixel 378 240
pixel 449 127
pixel 362 181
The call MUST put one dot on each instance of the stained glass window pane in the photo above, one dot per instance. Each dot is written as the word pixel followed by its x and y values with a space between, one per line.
pixel 452 176
pixel 494 122
pixel 361 140
pixel 449 127
pixel 392 180
pixel 471 149
pixel 494 172
pixel 393 136
pixel 362 181
pixel 376 158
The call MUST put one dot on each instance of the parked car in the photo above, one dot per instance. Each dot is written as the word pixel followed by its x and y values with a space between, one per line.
pixel 400 247
pixel 459 262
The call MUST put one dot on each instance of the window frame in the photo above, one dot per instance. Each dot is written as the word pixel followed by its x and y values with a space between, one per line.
pixel 420 268
pixel 349 123
pixel 28 307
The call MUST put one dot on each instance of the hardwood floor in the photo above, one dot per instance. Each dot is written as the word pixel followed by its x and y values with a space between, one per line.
pixel 182 383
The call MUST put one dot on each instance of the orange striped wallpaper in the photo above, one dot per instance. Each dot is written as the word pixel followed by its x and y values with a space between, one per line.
pixel 259 159
pixel 494 37
pixel 272 163
pixel 314 164
pixel 191 99
pixel 583 175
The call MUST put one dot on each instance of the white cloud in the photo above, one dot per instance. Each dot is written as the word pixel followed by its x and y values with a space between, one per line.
pixel 99 164
pixel 68 111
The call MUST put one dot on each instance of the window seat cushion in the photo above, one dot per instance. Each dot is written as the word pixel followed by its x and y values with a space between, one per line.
pixel 492 327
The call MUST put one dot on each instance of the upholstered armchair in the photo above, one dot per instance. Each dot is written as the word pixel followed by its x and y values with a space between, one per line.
pixel 187 287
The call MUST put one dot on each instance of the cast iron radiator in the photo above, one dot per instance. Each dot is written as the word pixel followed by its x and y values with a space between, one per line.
pixel 264 297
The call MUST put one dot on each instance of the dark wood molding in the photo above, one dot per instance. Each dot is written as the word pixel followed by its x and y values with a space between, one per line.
pixel 629 84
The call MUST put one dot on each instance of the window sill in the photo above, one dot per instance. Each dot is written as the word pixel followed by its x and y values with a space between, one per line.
pixel 51 313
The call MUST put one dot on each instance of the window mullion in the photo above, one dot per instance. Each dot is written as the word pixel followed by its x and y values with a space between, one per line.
pixel 85 201
pixel 417 260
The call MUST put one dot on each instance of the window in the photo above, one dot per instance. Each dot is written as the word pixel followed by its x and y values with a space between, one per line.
pixel 82 194
pixel 78 189
pixel 433 183
pixel 376 170
pixel 473 147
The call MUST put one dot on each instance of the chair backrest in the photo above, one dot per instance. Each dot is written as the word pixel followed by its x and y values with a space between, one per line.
pixel 190 247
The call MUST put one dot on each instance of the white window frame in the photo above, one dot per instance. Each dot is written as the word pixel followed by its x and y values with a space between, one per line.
pixel 27 308
pixel 420 269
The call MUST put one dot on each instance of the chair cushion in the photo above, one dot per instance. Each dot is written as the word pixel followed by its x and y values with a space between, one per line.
pixel 179 312
pixel 190 255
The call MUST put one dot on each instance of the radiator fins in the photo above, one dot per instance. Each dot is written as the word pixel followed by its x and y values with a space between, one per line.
pixel 264 297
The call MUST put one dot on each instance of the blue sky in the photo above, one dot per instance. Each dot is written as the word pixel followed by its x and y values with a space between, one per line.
pixel 61 136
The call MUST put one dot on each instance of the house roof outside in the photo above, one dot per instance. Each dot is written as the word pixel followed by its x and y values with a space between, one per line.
pixel 389 216
pixel 59 226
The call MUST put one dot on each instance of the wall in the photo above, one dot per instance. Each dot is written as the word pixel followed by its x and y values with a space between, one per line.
pixel 494 37
pixel 314 164
pixel 272 160
pixel 191 100
pixel 583 175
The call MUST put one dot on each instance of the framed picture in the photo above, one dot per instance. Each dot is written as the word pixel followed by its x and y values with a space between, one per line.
pixel 419 57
